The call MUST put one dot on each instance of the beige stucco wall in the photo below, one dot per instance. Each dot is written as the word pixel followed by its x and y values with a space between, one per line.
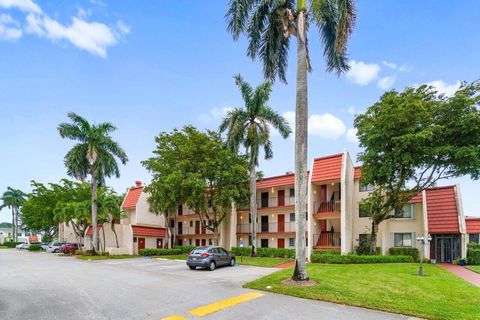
pixel 144 216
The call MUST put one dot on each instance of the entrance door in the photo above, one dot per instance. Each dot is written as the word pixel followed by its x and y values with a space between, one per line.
pixel 323 225
pixel 264 224
pixel 197 227
pixel 204 242
pixel 180 228
pixel 141 243
pixel 197 242
pixel 280 243
pixel 159 243
pixel 444 250
pixel 281 198
pixel 323 193
pixel 264 203
pixel 281 223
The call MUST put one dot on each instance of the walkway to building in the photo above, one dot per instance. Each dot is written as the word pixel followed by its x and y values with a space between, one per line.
pixel 467 275
pixel 286 265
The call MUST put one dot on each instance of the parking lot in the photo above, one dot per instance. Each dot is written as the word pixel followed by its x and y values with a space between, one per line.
pixel 47 286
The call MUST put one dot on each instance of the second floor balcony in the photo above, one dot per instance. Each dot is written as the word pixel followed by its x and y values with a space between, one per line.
pixel 271 227
pixel 272 202
pixel 327 206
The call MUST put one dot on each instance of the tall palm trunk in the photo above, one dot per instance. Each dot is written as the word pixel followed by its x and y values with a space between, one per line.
pixel 16 221
pixel 14 230
pixel 301 132
pixel 253 207
pixel 94 214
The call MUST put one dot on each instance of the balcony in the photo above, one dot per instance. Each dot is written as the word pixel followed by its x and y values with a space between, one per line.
pixel 273 202
pixel 192 231
pixel 327 210
pixel 327 240
pixel 272 227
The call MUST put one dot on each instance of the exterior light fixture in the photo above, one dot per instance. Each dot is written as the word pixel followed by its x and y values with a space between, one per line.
pixel 423 242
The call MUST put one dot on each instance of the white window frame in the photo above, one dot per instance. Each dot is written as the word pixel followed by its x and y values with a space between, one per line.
pixel 412 240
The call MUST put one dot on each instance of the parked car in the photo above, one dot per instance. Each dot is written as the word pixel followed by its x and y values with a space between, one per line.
pixel 44 246
pixel 68 248
pixel 54 247
pixel 22 246
pixel 210 257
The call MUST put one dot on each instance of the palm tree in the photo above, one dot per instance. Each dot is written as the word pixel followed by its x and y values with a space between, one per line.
pixel 95 154
pixel 269 26
pixel 249 127
pixel 13 199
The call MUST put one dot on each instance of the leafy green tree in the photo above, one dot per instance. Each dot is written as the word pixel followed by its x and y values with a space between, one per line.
pixel 413 139
pixel 199 170
pixel 269 26
pixel 13 199
pixel 95 154
pixel 109 210
pixel 249 127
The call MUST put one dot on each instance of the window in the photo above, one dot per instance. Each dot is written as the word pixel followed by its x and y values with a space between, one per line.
pixel 363 187
pixel 249 240
pixel 405 212
pixel 180 210
pixel 191 223
pixel 292 216
pixel 363 213
pixel 134 239
pixel 179 242
pixel 292 192
pixel 402 240
pixel 264 243
pixel 291 242
pixel 474 237
pixel 190 242
pixel 363 237
pixel 209 242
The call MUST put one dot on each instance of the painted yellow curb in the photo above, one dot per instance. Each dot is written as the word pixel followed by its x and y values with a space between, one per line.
pixel 224 304
pixel 174 318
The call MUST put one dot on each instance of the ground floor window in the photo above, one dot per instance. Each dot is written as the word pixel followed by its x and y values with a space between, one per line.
pixel 474 237
pixel 363 237
pixel 291 242
pixel 402 240
pixel 204 242
pixel 189 242
pixel 209 242
pixel 134 239
pixel 264 243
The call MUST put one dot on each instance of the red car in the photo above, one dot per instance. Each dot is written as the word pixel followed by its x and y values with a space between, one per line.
pixel 68 248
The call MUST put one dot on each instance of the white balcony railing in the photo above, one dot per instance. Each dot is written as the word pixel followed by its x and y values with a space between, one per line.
pixel 272 227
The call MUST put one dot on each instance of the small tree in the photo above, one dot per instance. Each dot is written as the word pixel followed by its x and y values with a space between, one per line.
pixel 413 139
pixel 13 199
pixel 197 169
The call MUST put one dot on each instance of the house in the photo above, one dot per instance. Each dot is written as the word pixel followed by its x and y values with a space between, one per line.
pixel 473 229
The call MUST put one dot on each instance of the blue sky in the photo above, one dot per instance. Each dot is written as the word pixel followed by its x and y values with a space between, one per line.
pixel 158 65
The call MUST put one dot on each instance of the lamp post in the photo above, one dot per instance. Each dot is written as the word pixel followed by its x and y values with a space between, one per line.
pixel 423 241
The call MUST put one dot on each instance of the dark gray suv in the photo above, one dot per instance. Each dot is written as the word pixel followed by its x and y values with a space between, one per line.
pixel 210 257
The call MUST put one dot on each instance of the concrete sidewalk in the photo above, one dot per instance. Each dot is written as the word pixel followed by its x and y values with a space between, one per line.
pixel 467 275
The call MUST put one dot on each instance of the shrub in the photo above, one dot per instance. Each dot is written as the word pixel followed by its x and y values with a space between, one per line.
pixel 473 256
pixel 357 259
pixel 326 251
pixel 241 251
pixel 473 245
pixel 185 249
pixel 35 247
pixel 412 252
pixel 363 248
pixel 11 244
pixel 159 252
pixel 265 252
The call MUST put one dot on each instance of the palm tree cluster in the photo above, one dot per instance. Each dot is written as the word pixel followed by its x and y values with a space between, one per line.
pixel 13 199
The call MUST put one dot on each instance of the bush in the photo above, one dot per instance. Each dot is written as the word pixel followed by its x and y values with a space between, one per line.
pixel 35 247
pixel 326 251
pixel 412 252
pixel 473 245
pixel 473 256
pixel 159 252
pixel 265 252
pixel 185 249
pixel 357 259
pixel 363 248
pixel 11 244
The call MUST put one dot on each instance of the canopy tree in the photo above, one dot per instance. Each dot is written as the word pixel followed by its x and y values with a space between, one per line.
pixel 250 127
pixel 413 139
pixel 199 170
pixel 95 154
pixel 13 199
pixel 269 26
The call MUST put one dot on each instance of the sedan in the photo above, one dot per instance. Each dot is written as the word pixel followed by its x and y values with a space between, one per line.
pixel 68 248
pixel 210 257
pixel 54 247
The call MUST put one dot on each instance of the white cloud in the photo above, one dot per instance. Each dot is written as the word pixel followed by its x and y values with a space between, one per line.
pixel 386 82
pixel 446 89
pixel 351 110
pixel 214 115
pixel 351 135
pixel 22 5
pixel 390 65
pixel 9 28
pixel 123 27
pixel 405 68
pixel 362 73
pixel 326 126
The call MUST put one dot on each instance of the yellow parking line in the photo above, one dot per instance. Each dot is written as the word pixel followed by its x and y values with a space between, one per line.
pixel 224 304
pixel 174 318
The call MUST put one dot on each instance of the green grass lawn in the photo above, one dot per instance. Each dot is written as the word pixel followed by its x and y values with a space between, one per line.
pixel 5 247
pixel 251 261
pixel 474 268
pixel 388 287
pixel 106 257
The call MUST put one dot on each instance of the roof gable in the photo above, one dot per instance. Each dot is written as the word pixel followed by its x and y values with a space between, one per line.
pixel 277 181
pixel 131 199
pixel 442 211
pixel 473 224
pixel 327 168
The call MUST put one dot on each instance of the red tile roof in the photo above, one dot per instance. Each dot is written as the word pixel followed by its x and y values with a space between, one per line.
pixel 357 172
pixel 327 168
pixel 473 224
pixel 90 230
pixel 132 196
pixel 417 199
pixel 148 231
pixel 442 210
pixel 277 181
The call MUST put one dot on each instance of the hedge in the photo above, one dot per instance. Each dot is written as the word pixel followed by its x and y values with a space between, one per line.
pixel 357 259
pixel 473 245
pixel 326 251
pixel 473 256
pixel 265 252
pixel 159 252
pixel 11 244
pixel 412 252
pixel 35 247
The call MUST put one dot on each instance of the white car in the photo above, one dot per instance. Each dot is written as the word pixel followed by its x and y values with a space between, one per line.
pixel 54 247
pixel 23 246
pixel 19 246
